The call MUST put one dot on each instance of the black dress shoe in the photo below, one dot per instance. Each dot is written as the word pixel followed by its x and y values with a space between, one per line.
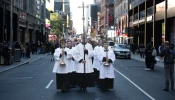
pixel 165 89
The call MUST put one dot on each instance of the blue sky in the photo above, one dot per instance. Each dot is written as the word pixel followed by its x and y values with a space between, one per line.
pixel 77 13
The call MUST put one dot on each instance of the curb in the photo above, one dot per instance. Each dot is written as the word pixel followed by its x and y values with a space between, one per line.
pixel 144 62
pixel 20 65
pixel 14 67
pixel 37 59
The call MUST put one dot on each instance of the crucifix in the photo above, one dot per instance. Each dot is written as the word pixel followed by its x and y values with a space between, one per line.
pixel 83 18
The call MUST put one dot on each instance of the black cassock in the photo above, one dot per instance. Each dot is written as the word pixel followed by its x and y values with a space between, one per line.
pixel 63 81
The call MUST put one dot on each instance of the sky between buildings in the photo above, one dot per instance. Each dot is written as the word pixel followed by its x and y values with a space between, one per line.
pixel 77 13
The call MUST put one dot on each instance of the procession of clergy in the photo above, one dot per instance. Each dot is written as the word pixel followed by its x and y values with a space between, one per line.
pixel 74 66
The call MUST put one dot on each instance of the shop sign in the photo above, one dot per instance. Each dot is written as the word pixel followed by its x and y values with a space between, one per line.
pixel 150 18
pixel 125 35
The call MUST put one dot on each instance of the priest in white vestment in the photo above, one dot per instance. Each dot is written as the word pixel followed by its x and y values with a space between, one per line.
pixel 106 72
pixel 96 63
pixel 84 73
pixel 61 68
pixel 72 64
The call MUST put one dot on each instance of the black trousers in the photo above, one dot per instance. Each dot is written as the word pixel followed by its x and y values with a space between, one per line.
pixel 148 62
pixel 169 75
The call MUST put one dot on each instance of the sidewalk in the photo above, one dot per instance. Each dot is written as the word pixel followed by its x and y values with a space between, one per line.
pixel 138 58
pixel 23 61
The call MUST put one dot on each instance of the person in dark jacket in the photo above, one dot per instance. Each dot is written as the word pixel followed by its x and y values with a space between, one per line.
pixel 168 67
pixel 28 51
pixel 142 51
pixel 149 59
pixel 52 52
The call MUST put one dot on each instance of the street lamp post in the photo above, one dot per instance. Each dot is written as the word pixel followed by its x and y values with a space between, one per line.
pixel 63 30
pixel 11 23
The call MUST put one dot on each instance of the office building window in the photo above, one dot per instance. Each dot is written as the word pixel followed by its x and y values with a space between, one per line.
pixel 130 18
pixel 160 6
pixel 171 3
pixel 136 16
pixel 150 11
pixel 142 14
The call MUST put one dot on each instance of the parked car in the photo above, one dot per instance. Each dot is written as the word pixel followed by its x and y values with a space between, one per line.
pixel 121 50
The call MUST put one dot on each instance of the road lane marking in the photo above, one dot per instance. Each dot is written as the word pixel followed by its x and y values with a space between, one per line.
pixel 124 66
pixel 42 64
pixel 137 68
pixel 49 84
pixel 135 85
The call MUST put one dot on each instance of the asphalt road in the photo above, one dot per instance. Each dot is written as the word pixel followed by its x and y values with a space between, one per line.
pixel 132 82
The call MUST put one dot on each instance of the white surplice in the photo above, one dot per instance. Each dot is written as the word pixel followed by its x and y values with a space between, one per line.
pixel 74 62
pixel 107 71
pixel 96 63
pixel 70 62
pixel 88 58
pixel 61 69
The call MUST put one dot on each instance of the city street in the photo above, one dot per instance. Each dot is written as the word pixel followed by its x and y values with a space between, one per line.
pixel 35 81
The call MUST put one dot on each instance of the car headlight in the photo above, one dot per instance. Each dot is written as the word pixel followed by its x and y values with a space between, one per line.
pixel 117 51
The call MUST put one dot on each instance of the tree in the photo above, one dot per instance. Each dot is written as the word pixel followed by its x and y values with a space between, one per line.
pixel 57 24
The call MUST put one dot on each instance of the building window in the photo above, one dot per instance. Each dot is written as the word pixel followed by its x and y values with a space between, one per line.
pixel 160 6
pixel 130 18
pixel 150 11
pixel 142 14
pixel 171 3
pixel 136 16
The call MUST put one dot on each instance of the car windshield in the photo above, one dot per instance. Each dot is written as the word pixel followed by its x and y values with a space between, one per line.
pixel 111 43
pixel 121 46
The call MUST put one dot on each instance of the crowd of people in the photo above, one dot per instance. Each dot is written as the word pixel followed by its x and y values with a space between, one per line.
pixel 24 50
pixel 83 63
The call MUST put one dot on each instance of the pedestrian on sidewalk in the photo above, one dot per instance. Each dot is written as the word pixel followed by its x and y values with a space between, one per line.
pixel 27 51
pixel 23 50
pixel 52 52
pixel 142 50
pixel 149 58
pixel 168 53
pixel 161 47
pixel 153 61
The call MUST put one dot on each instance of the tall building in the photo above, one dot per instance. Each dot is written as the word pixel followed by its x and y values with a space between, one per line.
pixel 121 21
pixel 107 17
pixel 28 23
pixel 63 8
pixel 152 21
